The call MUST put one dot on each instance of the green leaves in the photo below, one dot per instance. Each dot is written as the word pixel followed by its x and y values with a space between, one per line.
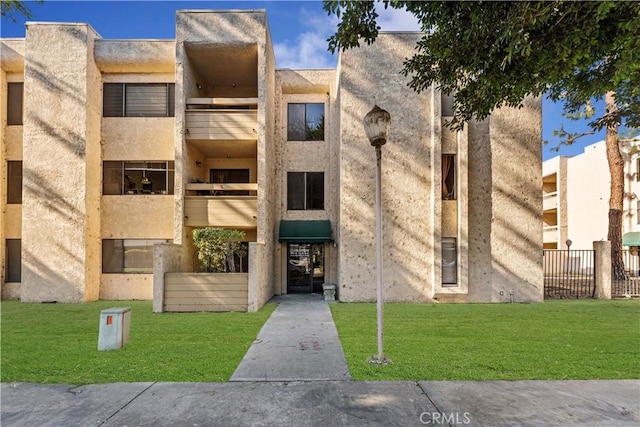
pixel 10 8
pixel 495 53
pixel 358 21
pixel 217 247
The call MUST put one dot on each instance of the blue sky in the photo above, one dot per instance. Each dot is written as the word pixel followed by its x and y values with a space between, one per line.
pixel 299 30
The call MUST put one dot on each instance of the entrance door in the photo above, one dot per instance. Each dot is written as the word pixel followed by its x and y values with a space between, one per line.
pixel 305 267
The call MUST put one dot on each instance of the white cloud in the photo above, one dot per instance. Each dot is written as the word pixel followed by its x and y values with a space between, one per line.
pixel 309 49
pixel 396 19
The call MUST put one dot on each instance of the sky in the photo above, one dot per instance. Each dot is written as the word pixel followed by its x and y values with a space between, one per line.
pixel 299 30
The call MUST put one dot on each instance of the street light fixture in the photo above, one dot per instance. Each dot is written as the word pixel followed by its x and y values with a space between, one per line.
pixel 376 125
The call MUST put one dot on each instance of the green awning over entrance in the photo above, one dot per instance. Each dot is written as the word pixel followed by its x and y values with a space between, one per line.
pixel 305 231
pixel 631 239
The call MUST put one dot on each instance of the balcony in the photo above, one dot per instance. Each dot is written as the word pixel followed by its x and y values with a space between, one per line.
pixel 222 119
pixel 550 201
pixel 213 208
pixel 550 234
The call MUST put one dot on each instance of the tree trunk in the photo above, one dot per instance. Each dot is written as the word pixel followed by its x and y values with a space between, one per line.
pixel 616 199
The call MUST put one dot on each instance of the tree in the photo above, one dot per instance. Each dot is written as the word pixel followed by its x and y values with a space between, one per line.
pixel 217 248
pixel 11 8
pixel 493 54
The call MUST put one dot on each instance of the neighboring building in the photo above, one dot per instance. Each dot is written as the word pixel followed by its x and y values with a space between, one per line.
pixel 576 193
pixel 110 147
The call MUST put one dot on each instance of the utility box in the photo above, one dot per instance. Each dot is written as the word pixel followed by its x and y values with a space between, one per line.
pixel 114 328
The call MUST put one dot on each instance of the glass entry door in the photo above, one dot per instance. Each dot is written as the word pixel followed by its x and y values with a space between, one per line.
pixel 305 267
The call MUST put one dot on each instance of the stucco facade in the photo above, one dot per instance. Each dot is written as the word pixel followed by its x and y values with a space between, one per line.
pixel 127 144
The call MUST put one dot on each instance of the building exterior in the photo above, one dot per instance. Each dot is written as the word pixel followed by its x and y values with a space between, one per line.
pixel 576 193
pixel 114 151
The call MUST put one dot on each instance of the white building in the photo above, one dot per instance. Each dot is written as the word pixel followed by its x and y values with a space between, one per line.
pixel 576 194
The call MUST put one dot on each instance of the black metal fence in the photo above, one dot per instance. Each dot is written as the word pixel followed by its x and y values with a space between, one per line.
pixel 569 273
pixel 629 286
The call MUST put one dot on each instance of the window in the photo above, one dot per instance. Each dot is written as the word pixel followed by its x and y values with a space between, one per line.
pixel 230 176
pixel 153 177
pixel 14 103
pixel 13 260
pixel 449 261
pixel 138 99
pixel 14 182
pixel 448 177
pixel 128 255
pixel 638 169
pixel 447 104
pixel 305 122
pixel 305 190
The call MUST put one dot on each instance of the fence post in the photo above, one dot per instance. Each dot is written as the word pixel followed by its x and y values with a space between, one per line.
pixel 602 264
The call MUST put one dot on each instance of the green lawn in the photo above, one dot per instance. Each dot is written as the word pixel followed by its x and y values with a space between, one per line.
pixel 57 343
pixel 562 339
pixel 586 339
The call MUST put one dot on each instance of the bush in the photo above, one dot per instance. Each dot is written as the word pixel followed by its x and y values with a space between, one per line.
pixel 217 247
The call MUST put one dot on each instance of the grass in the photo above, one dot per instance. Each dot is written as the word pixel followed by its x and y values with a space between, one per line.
pixel 57 343
pixel 563 339
pixel 586 339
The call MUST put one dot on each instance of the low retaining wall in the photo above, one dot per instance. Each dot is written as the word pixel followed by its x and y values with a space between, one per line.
pixel 206 291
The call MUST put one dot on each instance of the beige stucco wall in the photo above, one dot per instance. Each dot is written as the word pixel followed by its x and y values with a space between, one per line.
pixel 306 86
pixel 12 54
pixel 137 217
pixel 134 217
pixel 406 176
pixel 60 229
pixel 126 287
pixel 505 201
pixel 264 287
pixel 138 138
pixel 11 70
pixel 166 259
pixel 3 174
pixel 135 56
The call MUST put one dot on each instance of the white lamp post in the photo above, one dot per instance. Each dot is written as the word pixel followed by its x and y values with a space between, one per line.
pixel 376 125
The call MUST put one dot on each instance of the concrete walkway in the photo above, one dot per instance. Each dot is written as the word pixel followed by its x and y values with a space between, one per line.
pixel 299 342
pixel 325 403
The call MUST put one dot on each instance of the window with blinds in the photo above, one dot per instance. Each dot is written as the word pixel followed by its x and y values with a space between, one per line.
pixel 125 256
pixel 138 100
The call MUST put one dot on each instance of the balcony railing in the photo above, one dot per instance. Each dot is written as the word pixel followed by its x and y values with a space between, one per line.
pixel 550 233
pixel 214 208
pixel 550 201
pixel 222 119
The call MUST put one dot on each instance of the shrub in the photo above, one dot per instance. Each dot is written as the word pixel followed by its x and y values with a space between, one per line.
pixel 217 247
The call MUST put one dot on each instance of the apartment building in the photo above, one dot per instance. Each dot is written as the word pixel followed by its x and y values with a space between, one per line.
pixel 114 151
pixel 576 193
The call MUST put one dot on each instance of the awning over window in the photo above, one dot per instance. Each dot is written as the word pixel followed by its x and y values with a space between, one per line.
pixel 305 231
pixel 631 239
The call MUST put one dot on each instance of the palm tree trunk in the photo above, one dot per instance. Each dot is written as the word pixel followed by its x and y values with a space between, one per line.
pixel 616 199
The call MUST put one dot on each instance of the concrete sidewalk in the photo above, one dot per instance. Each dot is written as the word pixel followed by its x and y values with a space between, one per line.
pixel 299 342
pixel 325 403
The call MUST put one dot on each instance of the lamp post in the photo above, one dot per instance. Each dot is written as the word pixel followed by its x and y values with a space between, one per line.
pixel 376 126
